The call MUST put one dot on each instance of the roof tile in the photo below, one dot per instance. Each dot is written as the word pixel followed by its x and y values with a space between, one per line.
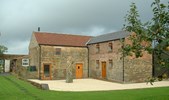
pixel 61 39
pixel 109 37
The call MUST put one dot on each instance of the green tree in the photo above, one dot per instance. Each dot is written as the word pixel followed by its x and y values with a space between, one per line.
pixel 3 49
pixel 156 30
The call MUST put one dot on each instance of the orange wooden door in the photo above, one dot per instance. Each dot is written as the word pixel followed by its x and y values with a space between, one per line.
pixel 103 69
pixel 79 70
pixel 47 72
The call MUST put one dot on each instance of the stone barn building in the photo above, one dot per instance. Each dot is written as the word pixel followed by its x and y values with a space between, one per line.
pixel 16 64
pixel 106 60
pixel 96 57
pixel 49 54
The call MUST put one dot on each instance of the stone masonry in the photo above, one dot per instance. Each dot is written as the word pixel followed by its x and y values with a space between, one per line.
pixel 118 68
pixel 59 62
pixel 126 69
pixel 114 72
pixel 45 54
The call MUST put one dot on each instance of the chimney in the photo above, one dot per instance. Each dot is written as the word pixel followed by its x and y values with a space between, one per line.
pixel 38 29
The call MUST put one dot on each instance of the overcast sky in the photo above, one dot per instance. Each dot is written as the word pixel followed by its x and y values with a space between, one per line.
pixel 19 18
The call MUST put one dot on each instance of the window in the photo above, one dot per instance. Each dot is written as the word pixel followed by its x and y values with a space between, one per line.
pixel 31 68
pixel 58 51
pixel 110 47
pixel 110 63
pixel 25 62
pixel 97 48
pixel 97 64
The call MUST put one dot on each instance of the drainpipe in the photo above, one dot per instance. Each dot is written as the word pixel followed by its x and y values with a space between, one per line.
pixel 40 62
pixel 123 62
pixel 153 65
pixel 88 61
pixel 123 67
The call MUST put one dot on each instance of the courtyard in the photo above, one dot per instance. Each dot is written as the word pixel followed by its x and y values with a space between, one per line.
pixel 95 85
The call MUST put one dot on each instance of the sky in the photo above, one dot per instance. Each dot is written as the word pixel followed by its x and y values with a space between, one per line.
pixel 19 18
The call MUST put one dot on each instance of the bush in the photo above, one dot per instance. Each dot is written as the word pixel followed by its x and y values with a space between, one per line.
pixel 1 68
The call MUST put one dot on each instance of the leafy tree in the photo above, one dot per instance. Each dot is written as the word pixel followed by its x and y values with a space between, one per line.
pixel 151 36
pixel 156 30
pixel 3 49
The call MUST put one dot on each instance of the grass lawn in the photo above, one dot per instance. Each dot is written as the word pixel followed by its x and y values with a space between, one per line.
pixel 12 88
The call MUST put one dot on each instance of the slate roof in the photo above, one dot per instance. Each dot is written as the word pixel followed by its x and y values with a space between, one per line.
pixel 109 37
pixel 45 38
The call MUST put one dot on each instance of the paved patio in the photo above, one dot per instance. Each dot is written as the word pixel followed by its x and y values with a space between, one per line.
pixel 94 85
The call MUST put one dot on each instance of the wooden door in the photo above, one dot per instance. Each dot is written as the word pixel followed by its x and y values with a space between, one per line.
pixel 79 70
pixel 103 69
pixel 47 72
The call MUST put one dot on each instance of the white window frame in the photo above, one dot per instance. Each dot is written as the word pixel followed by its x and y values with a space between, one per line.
pixel 25 62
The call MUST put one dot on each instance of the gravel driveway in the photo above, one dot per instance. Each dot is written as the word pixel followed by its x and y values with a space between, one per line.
pixel 94 85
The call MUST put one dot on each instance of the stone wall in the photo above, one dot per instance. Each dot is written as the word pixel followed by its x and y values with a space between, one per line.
pixel 113 73
pixel 34 60
pixel 135 69
pixel 22 71
pixel 16 65
pixel 34 51
pixel 59 62
pixel 138 69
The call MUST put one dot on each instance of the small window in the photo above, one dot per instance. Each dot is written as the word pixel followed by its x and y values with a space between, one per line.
pixel 110 63
pixel 58 51
pixel 97 48
pixel 110 47
pixel 25 62
pixel 97 64
pixel 32 68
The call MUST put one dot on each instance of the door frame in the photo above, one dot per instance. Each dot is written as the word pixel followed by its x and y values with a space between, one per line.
pixel 50 72
pixel 104 77
pixel 81 70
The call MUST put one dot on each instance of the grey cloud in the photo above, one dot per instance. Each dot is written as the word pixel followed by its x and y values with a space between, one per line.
pixel 18 18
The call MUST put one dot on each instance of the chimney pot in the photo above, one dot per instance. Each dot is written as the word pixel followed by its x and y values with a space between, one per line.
pixel 38 29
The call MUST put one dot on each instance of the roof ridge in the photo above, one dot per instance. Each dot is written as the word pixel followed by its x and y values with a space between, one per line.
pixel 111 33
pixel 58 33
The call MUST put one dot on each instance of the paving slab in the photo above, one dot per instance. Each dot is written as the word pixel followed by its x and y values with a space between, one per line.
pixel 95 85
